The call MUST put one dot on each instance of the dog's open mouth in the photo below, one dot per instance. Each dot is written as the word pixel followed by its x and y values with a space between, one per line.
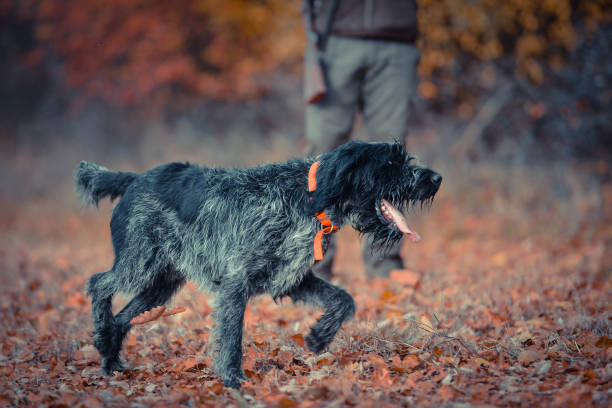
pixel 393 215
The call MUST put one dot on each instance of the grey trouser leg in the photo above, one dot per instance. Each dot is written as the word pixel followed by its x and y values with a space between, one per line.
pixel 379 78
pixel 388 89
pixel 377 265
pixel 330 121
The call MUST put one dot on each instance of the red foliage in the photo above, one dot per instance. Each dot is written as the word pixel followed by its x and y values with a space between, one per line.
pixel 131 51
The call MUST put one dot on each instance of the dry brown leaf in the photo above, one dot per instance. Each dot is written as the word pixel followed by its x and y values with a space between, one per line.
pixel 428 326
pixel 405 277
pixel 298 339
pixel 411 361
pixel 89 352
pixel 286 402
pixel 148 316
pixel 604 342
pixel 526 357
pixel 174 311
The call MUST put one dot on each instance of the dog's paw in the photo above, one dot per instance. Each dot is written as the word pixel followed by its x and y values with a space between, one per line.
pixel 109 366
pixel 315 342
pixel 234 379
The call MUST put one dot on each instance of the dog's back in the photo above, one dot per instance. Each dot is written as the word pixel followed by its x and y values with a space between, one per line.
pixel 186 220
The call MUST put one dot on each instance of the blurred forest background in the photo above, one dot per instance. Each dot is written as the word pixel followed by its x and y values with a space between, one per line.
pixel 514 111
pixel 518 79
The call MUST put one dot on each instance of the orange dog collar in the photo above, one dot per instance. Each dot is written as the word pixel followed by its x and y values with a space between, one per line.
pixel 327 226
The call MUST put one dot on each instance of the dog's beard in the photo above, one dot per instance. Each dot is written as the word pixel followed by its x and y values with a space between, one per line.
pixel 384 219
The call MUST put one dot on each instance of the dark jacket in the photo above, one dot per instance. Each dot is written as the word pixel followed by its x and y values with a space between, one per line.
pixel 384 19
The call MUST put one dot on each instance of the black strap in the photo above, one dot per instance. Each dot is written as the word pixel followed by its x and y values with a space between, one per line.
pixel 321 38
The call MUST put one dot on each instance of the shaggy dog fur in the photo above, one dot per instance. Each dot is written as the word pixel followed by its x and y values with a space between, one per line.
pixel 239 233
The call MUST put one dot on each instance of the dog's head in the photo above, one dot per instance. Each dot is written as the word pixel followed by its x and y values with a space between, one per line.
pixel 370 184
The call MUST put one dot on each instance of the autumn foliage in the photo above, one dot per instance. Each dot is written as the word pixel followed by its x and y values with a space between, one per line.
pixel 131 52
pixel 506 302
pixel 534 33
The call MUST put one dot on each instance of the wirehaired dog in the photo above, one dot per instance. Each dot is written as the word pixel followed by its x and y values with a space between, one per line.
pixel 243 232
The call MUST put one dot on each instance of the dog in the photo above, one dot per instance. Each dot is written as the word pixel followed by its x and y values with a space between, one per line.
pixel 243 232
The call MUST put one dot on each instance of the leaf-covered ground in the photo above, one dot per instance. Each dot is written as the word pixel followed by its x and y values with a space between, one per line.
pixel 505 302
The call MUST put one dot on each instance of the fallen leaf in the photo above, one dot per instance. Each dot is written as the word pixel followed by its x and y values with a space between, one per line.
pixel 445 392
pixel 148 316
pixel 604 342
pixel 405 277
pixel 428 326
pixel 526 357
pixel 298 339
pixel 543 367
pixel 174 311
pixel 410 362
pixel 89 353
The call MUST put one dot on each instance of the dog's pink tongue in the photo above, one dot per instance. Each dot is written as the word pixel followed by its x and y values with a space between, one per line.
pixel 401 223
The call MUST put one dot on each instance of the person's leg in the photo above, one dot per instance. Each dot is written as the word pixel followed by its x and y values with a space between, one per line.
pixel 389 88
pixel 379 265
pixel 329 122
pixel 323 268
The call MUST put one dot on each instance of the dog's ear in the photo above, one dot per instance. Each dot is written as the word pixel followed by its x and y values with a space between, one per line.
pixel 349 170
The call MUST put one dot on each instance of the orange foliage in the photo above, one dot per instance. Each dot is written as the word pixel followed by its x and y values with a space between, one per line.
pixel 500 311
pixel 128 52
pixel 532 32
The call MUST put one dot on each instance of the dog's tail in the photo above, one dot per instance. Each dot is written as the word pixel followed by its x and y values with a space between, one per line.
pixel 94 182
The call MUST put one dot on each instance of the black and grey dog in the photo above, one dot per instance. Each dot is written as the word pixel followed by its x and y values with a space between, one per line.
pixel 243 232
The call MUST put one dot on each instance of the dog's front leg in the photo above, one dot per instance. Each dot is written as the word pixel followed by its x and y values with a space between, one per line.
pixel 339 306
pixel 229 314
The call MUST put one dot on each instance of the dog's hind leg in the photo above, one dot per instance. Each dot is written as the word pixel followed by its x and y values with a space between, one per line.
pixel 157 293
pixel 338 304
pixel 101 290
pixel 229 315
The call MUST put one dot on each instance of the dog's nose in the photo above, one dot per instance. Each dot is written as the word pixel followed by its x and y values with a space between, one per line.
pixel 436 179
